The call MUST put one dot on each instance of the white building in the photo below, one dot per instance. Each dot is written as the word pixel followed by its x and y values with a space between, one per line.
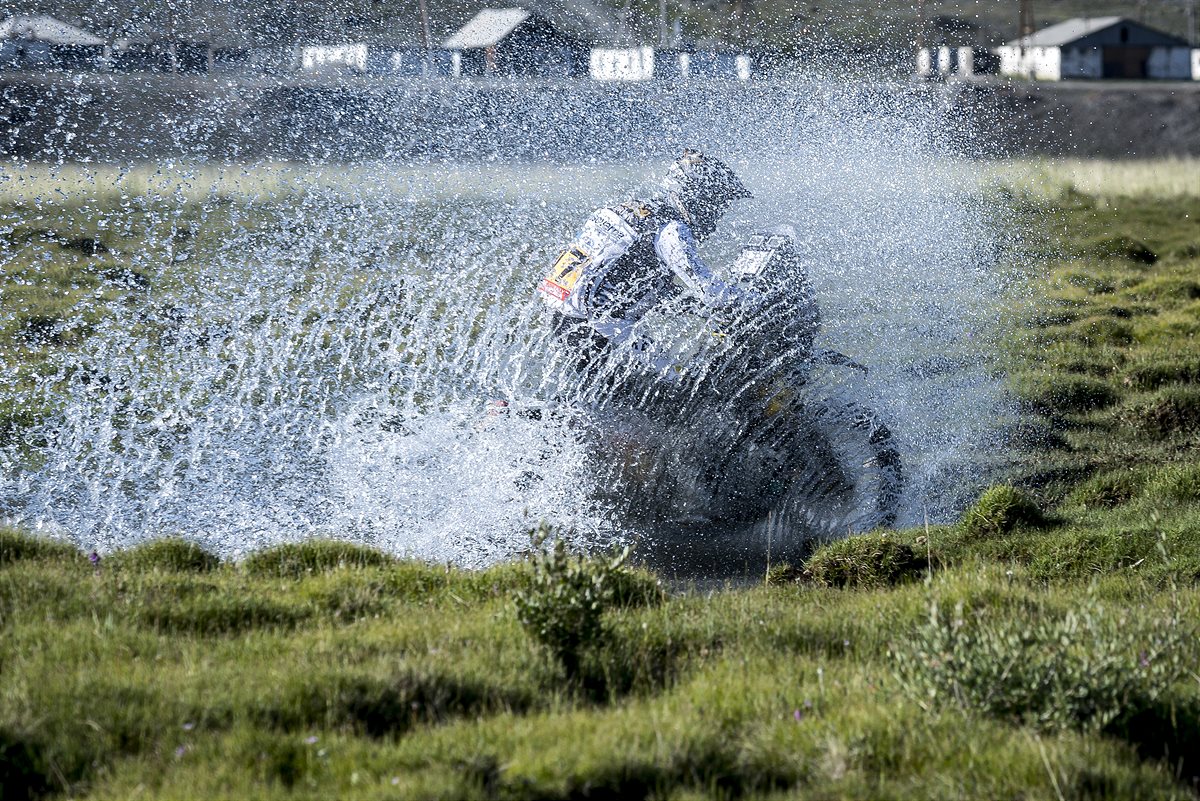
pixel 621 63
pixel 334 58
pixel 1097 47
pixel 38 41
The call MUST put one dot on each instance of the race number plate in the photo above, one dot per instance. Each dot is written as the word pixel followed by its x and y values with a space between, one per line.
pixel 565 273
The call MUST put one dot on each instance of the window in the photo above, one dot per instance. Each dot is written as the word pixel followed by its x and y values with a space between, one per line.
pixel 1124 35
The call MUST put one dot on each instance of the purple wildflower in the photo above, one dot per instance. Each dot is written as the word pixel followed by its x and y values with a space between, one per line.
pixel 94 558
pixel 797 715
pixel 311 739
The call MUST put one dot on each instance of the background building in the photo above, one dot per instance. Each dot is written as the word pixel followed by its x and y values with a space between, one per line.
pixel 1097 47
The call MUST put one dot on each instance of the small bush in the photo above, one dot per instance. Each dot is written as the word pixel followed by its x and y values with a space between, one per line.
pixel 170 555
pixel 1079 671
pixel 295 560
pixel 867 561
pixel 1169 411
pixel 1065 394
pixel 1124 247
pixel 16 546
pixel 999 510
pixel 568 594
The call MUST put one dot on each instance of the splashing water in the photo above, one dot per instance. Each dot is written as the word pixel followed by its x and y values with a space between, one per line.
pixel 317 346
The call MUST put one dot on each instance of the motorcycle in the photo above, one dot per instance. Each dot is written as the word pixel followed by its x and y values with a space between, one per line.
pixel 752 443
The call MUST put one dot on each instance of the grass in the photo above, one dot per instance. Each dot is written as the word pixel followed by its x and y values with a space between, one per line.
pixel 1044 645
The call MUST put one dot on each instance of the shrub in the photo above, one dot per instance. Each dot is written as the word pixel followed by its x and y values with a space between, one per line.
pixel 999 510
pixel 16 546
pixel 172 555
pixel 1065 394
pixel 869 560
pixel 1166 412
pixel 564 604
pixel 294 560
pixel 1078 671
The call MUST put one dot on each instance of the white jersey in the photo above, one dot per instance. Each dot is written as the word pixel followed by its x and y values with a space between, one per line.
pixel 623 263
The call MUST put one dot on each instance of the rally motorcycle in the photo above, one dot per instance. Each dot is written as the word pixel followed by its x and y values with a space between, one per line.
pixel 755 444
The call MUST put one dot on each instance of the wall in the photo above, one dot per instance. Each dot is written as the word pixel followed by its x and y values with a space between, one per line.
pixel 1170 63
pixel 1080 62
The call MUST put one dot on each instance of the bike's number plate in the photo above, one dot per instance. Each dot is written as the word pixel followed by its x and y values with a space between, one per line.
pixel 752 262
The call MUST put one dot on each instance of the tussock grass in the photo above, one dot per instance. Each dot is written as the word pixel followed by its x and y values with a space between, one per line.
pixel 171 554
pixel 999 510
pixel 314 556
pixel 17 546
pixel 869 561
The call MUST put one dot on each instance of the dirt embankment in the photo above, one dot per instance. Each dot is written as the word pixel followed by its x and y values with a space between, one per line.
pixel 123 117
pixel 1084 118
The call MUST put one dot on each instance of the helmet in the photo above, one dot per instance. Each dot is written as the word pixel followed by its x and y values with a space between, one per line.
pixel 701 188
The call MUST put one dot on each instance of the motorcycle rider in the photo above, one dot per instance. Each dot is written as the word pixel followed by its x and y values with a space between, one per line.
pixel 627 259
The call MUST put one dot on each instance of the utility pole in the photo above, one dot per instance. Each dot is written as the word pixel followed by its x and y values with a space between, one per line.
pixel 425 25
pixel 1025 23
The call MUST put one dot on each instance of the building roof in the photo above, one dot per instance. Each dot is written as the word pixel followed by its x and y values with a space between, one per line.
pixel 1073 30
pixel 44 28
pixel 490 26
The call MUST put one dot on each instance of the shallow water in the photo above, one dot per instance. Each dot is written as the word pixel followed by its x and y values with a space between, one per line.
pixel 318 343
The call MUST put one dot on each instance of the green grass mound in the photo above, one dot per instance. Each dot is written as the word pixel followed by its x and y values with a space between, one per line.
pixel 1167 289
pixel 295 560
pixel 380 707
pixel 1157 374
pixel 170 555
pixel 1124 247
pixel 16 546
pixel 1168 411
pixel 866 561
pixel 1065 394
pixel 215 613
pixel 999 510
pixel 1097 331
pixel 1108 490
pixel 1175 484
